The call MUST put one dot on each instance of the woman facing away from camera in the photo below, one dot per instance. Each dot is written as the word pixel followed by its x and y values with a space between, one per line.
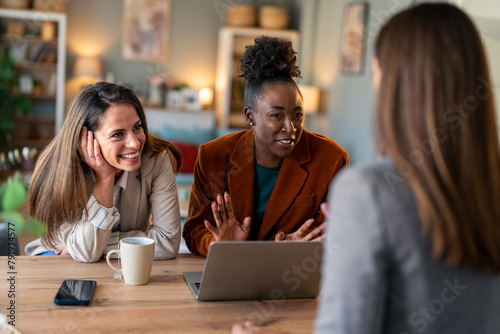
pixel 413 239
pixel 104 178
pixel 423 253
pixel 277 173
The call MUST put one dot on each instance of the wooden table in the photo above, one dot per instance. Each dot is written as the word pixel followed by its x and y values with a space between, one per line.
pixel 164 305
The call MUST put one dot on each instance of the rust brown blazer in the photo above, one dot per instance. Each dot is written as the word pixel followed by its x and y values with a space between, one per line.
pixel 228 164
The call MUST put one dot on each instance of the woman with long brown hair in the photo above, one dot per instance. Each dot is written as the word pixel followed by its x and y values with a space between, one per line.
pixel 103 178
pixel 414 238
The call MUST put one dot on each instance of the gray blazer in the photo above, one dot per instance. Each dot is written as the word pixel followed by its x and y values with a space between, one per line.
pixel 378 276
pixel 150 195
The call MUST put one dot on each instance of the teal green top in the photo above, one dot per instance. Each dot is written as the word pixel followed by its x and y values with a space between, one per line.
pixel 265 179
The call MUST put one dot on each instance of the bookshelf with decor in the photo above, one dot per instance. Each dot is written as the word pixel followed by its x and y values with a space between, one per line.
pixel 229 87
pixel 36 42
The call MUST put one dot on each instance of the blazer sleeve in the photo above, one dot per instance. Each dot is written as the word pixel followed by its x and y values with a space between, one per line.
pixel 166 218
pixel 86 239
pixel 354 260
pixel 196 235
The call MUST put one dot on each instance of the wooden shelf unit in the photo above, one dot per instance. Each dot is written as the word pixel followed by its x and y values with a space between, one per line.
pixel 45 62
pixel 229 88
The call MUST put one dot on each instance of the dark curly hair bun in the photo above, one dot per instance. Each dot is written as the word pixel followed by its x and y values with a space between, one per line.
pixel 269 58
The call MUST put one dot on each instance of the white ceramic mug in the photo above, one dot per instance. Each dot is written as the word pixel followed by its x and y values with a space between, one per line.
pixel 137 255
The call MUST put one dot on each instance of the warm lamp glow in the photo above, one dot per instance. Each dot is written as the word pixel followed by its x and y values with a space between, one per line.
pixel 88 66
pixel 311 98
pixel 206 96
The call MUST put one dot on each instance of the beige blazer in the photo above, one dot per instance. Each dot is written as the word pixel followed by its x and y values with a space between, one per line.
pixel 150 195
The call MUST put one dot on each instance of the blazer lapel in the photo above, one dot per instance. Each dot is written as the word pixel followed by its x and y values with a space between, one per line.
pixel 130 201
pixel 241 177
pixel 288 185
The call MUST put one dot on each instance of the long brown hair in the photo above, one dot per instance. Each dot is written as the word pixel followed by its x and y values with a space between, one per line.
pixel 57 192
pixel 435 117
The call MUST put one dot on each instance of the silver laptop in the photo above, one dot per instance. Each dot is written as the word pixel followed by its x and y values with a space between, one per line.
pixel 260 270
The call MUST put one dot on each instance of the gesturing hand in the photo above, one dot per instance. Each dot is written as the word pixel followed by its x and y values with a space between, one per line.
pixel 228 228
pixel 297 235
pixel 90 153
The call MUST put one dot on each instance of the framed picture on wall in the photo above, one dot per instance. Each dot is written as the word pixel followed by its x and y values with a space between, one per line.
pixel 352 43
pixel 191 99
pixel 146 30
pixel 26 83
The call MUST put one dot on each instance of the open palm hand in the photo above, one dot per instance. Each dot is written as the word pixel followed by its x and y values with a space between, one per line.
pixel 227 227
pixel 314 235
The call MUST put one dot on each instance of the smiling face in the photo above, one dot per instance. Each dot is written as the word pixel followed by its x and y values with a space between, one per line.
pixel 278 123
pixel 121 137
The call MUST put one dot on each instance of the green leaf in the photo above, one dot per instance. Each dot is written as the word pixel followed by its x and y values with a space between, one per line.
pixel 2 191
pixel 14 196
pixel 35 227
pixel 13 218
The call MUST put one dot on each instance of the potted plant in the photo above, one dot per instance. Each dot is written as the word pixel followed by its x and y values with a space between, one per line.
pixel 12 197
pixel 11 101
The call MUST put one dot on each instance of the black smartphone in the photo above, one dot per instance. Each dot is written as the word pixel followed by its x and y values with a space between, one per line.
pixel 75 292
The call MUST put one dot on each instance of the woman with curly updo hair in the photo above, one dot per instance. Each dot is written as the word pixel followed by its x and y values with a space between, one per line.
pixel 266 183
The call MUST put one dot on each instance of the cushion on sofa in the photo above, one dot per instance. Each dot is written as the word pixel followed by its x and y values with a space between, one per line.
pixel 189 152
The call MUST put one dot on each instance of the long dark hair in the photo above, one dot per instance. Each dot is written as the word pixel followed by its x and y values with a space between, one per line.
pixel 57 192
pixel 435 117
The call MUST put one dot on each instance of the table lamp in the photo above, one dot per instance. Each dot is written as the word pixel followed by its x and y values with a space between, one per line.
pixel 206 96
pixel 89 67
pixel 311 98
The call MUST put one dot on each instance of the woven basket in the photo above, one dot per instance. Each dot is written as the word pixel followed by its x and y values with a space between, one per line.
pixel 15 4
pixel 52 6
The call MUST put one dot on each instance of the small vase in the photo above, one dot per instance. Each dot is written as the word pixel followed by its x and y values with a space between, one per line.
pixel 156 94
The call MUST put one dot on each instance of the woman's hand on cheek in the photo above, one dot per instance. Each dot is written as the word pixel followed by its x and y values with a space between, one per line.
pixel 90 152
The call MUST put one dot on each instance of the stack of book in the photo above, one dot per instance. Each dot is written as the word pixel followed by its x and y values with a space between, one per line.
pixel 46 53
